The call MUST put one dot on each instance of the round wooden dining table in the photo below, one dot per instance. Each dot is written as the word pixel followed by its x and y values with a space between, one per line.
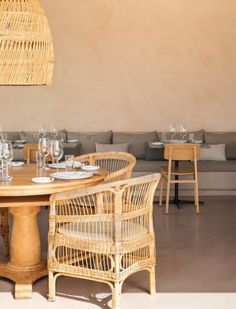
pixel 24 199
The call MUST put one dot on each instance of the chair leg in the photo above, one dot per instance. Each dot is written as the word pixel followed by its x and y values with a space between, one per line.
pixel 116 295
pixel 152 281
pixel 161 193
pixel 196 196
pixel 51 287
pixel 167 197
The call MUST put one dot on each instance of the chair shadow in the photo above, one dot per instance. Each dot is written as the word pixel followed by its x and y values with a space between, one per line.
pixel 92 292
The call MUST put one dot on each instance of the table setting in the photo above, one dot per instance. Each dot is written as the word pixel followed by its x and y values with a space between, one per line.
pixel 49 152
pixel 24 189
pixel 175 135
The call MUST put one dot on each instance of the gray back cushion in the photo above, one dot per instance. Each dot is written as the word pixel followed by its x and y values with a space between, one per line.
pixel 88 139
pixel 137 141
pixel 12 136
pixel 227 138
pixel 29 137
pixel 112 147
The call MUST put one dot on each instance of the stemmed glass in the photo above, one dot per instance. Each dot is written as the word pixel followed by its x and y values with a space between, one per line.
pixel 54 132
pixel 183 132
pixel 56 150
pixel 6 157
pixel 44 149
pixel 42 132
pixel 172 131
pixel 1 158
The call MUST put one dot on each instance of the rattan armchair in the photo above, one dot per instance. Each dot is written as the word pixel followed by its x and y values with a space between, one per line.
pixel 118 164
pixel 101 243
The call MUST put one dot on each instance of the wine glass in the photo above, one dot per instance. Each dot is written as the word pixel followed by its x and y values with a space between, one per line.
pixel 1 158
pixel 7 157
pixel 183 132
pixel 44 148
pixel 56 150
pixel 54 132
pixel 41 132
pixel 172 131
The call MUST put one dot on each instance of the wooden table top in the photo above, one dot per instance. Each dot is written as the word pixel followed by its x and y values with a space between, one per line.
pixel 22 185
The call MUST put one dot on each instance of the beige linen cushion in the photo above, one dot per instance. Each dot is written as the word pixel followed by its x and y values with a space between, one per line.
pixel 213 153
pixel 102 230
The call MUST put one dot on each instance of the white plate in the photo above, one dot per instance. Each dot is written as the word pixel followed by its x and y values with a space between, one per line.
pixel 19 141
pixel 62 165
pixel 71 175
pixel 90 168
pixel 157 144
pixel 198 142
pixel 17 163
pixel 43 179
pixel 72 141
pixel 19 146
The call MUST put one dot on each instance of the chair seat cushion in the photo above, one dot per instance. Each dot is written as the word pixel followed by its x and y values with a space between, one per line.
pixel 102 230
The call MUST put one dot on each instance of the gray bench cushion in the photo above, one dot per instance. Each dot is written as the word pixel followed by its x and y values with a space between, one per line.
pixel 215 166
pixel 203 166
pixel 227 138
pixel 72 149
pixel 149 166
pixel 154 154
pixel 137 141
pixel 88 139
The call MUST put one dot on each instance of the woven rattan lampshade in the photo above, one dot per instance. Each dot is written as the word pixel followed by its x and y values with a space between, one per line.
pixel 26 48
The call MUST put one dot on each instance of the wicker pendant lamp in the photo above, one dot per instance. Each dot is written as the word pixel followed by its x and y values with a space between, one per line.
pixel 26 48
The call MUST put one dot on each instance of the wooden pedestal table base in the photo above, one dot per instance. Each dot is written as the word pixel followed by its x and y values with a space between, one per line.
pixel 25 265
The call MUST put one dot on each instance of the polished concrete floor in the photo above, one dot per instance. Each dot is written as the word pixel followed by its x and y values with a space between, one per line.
pixel 196 266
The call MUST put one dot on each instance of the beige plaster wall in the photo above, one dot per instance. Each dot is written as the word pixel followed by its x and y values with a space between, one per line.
pixel 134 65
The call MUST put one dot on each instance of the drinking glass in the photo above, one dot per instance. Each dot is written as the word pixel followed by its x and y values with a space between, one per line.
pixel 164 137
pixel 42 132
pixel 191 137
pixel 1 158
pixel 44 149
pixel 183 132
pixel 7 157
pixel 3 136
pixel 56 150
pixel 69 162
pixel 54 132
pixel 39 160
pixel 172 131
